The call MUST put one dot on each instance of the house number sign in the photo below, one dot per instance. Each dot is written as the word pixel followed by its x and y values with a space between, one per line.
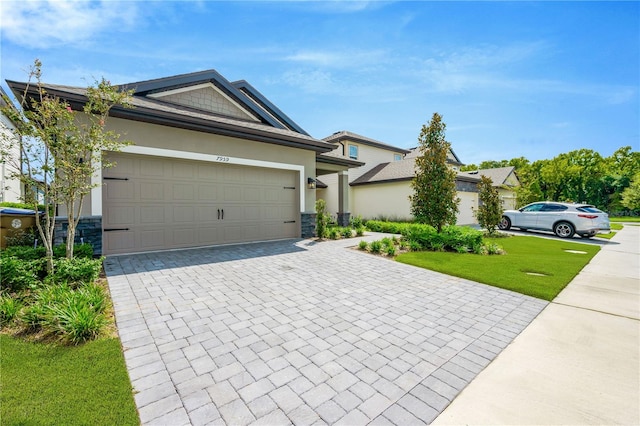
pixel 222 159
pixel 16 223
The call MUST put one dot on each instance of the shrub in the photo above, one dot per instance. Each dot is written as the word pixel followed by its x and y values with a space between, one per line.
pixel 76 320
pixel 493 248
pixel 387 242
pixel 9 308
pixel 333 233
pixel 363 245
pixel 415 246
pixel 376 246
pixel 24 252
pixel 391 250
pixel 19 274
pixel 356 222
pixel 22 238
pixel 322 218
pixel 346 232
pixel 387 227
pixel 360 231
pixel 76 270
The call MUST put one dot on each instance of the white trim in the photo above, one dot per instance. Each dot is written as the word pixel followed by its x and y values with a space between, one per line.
pixel 212 158
pixel 203 86
pixel 96 194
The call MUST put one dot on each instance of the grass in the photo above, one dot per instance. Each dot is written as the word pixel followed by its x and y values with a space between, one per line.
pixel 624 219
pixel 65 385
pixel 524 255
pixel 609 235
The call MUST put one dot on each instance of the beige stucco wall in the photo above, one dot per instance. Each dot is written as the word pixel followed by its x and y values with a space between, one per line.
pixel 156 136
pixel 369 155
pixel 508 198
pixel 10 188
pixel 391 200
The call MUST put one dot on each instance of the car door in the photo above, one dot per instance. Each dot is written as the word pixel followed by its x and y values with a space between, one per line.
pixel 528 216
pixel 548 215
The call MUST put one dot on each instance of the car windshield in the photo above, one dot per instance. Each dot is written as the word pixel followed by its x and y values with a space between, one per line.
pixel 588 209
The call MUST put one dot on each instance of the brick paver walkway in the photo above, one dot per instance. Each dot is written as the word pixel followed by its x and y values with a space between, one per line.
pixel 298 332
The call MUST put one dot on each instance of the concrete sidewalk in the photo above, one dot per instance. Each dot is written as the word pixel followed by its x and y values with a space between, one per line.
pixel 578 361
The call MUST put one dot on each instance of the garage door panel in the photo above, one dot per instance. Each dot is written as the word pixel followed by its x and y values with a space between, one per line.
pixel 152 239
pixel 183 192
pixel 150 191
pixel 171 203
pixel 120 190
pixel 151 167
pixel 207 192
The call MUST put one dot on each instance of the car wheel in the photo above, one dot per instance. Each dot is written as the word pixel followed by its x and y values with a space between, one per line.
pixel 564 230
pixel 505 224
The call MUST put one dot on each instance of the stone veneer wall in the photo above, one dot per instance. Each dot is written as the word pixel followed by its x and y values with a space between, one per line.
pixel 308 225
pixel 89 230
pixel 343 219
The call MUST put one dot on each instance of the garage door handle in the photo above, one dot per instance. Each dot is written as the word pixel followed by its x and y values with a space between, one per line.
pixel 218 214
pixel 115 178
pixel 222 214
pixel 289 221
pixel 115 229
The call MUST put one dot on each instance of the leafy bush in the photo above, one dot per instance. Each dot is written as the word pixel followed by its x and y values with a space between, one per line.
pixel 322 218
pixel 493 248
pixel 24 252
pixel 363 245
pixel 22 238
pixel 333 233
pixel 9 308
pixel 386 227
pixel 83 251
pixel 391 250
pixel 346 232
pixel 76 270
pixel 360 231
pixel 415 246
pixel 375 246
pixel 387 242
pixel 19 274
pixel 356 222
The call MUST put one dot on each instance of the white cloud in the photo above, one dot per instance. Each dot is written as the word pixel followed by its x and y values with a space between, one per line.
pixel 340 58
pixel 44 24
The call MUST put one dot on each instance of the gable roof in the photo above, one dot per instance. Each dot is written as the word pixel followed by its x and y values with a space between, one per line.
pixel 452 158
pixel 397 171
pixel 345 135
pixel 269 126
pixel 498 175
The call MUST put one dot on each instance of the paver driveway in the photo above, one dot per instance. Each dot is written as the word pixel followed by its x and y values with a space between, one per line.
pixel 304 333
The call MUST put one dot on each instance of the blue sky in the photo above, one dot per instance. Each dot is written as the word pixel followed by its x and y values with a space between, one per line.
pixel 511 79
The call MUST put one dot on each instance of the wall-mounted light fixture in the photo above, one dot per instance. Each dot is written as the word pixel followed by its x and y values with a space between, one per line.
pixel 311 182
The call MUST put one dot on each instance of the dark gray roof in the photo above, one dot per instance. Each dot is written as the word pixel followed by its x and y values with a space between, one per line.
pixel 498 175
pixel 415 152
pixel 156 111
pixel 346 135
pixel 398 171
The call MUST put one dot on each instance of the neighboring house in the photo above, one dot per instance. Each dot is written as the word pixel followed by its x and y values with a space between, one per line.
pixel 505 180
pixel 212 162
pixel 10 186
pixel 381 187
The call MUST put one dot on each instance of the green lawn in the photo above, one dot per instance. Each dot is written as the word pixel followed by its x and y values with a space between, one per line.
pixel 624 219
pixel 614 227
pixel 524 254
pixel 65 385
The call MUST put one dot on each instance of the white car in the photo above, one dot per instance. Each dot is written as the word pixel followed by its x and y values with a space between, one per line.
pixel 563 219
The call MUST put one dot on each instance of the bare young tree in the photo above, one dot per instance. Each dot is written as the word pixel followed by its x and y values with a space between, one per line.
pixel 61 149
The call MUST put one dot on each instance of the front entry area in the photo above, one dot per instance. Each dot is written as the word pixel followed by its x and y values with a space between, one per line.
pixel 156 203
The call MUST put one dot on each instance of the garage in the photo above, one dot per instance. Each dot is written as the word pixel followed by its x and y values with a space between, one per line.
pixel 156 203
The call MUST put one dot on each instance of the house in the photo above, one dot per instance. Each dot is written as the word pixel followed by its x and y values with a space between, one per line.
pixel 10 186
pixel 505 180
pixel 381 188
pixel 212 162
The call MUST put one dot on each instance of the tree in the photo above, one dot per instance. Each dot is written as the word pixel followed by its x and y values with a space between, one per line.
pixel 631 194
pixel 434 199
pixel 322 218
pixel 490 210
pixel 61 149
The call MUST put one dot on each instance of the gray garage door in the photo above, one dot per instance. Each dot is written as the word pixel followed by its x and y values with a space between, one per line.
pixel 156 203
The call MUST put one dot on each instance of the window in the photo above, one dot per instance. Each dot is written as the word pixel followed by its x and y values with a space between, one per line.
pixel 553 208
pixel 533 208
pixel 397 157
pixel 353 152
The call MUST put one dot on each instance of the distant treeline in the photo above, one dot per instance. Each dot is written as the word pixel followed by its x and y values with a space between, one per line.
pixel 577 176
